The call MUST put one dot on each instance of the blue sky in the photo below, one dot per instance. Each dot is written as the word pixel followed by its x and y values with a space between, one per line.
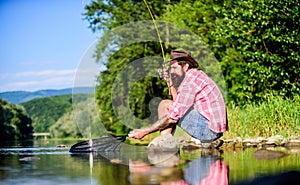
pixel 42 43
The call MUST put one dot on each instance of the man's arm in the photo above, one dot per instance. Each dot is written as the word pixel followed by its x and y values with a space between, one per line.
pixel 158 125
pixel 173 92
pixel 161 123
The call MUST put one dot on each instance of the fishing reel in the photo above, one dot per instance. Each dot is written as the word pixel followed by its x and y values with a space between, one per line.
pixel 164 73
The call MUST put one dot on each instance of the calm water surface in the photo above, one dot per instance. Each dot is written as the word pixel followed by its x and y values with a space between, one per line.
pixel 42 162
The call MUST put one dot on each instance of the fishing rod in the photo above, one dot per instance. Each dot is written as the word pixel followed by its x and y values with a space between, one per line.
pixel 164 71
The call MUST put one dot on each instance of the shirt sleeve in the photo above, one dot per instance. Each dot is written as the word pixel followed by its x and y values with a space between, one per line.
pixel 184 100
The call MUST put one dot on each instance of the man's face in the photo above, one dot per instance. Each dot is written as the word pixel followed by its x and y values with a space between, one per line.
pixel 177 74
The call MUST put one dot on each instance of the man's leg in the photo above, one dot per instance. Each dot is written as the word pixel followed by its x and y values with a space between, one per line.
pixel 163 108
pixel 196 126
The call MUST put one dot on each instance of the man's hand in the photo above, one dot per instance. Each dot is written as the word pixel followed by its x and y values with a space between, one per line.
pixel 166 73
pixel 160 124
pixel 138 133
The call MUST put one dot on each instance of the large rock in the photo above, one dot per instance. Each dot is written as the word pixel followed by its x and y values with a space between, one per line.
pixel 164 143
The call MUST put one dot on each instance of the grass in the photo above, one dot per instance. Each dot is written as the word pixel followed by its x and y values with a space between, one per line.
pixel 274 116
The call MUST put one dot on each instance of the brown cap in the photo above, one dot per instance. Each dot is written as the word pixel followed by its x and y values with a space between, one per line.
pixel 183 55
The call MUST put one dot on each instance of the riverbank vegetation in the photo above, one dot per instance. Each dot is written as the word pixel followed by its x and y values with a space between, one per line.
pixel 14 122
pixel 274 116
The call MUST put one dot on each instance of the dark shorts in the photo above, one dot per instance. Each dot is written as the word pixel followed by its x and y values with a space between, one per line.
pixel 196 126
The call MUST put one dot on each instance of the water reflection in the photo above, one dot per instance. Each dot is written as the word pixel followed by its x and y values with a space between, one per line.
pixel 163 169
pixel 206 170
pixel 43 163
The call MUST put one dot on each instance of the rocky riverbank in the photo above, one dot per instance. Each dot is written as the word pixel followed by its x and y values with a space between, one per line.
pixel 261 142
pixel 266 148
pixel 275 146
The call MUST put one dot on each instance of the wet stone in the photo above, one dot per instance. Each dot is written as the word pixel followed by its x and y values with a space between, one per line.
pixel 239 144
pixel 61 146
pixel 269 144
pixel 250 145
pixel 275 139
pixel 264 154
pixel 232 144
pixel 260 143
pixel 165 142
pixel 293 143
pixel 228 144
pixel 116 161
pixel 29 159
pixel 188 146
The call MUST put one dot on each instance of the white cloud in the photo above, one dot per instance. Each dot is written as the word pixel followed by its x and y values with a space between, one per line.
pixel 36 80
pixel 46 73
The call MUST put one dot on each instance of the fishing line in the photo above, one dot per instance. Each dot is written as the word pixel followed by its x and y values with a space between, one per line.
pixel 160 41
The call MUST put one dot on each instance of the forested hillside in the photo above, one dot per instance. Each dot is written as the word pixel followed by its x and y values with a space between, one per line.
pixel 45 112
pixel 14 122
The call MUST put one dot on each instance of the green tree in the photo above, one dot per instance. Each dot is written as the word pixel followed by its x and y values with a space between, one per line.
pixel 65 127
pixel 14 122
pixel 82 121
pixel 258 44
pixel 255 41
pixel 108 15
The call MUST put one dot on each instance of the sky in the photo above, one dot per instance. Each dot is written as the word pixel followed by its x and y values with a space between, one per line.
pixel 42 43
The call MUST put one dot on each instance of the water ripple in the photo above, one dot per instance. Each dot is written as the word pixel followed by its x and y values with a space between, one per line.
pixel 31 151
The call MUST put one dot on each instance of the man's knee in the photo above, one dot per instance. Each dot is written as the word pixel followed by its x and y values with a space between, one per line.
pixel 165 104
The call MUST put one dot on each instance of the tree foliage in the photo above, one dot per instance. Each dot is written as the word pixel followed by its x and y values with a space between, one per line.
pixel 46 111
pixel 65 127
pixel 14 122
pixel 82 121
pixel 262 39
pixel 106 16
pixel 256 43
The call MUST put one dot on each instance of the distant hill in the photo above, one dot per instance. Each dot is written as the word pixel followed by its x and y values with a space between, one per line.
pixel 18 97
pixel 44 112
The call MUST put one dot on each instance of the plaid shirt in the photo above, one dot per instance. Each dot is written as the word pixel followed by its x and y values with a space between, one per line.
pixel 198 90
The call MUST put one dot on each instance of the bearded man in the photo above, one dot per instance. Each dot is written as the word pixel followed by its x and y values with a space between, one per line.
pixel 198 106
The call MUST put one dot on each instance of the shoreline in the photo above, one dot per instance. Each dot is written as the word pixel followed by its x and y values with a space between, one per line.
pixel 266 148
pixel 262 142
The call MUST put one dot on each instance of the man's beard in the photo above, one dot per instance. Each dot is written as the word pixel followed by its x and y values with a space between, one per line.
pixel 177 79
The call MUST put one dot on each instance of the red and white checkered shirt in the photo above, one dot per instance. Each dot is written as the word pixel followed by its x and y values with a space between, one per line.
pixel 198 90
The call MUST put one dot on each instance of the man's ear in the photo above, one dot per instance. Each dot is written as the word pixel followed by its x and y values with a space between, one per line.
pixel 186 67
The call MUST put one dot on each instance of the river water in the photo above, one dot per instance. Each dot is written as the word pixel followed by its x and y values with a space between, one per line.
pixel 43 162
